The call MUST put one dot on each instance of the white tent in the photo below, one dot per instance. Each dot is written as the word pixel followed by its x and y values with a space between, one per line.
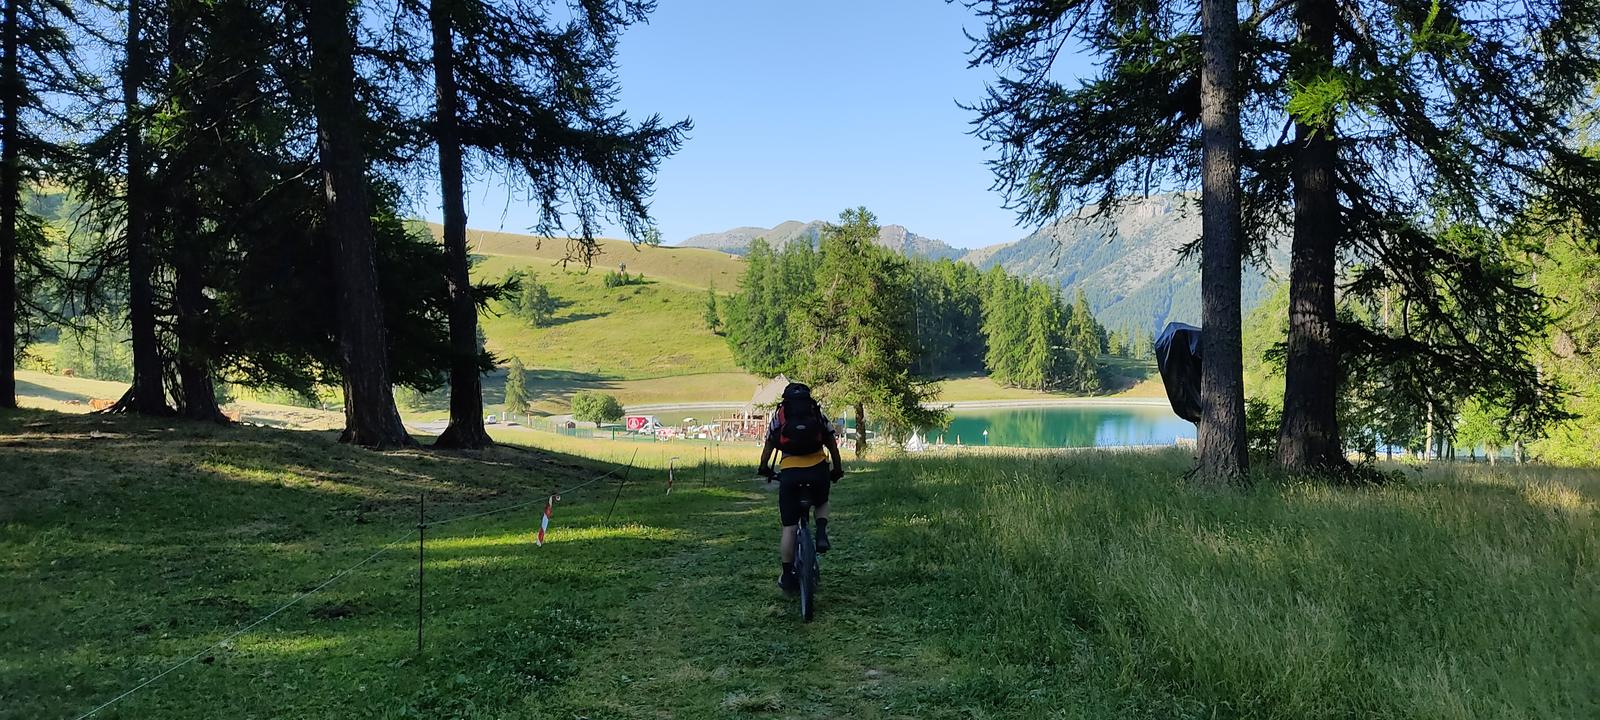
pixel 916 443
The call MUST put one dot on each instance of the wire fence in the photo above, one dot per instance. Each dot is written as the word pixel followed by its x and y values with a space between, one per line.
pixel 419 532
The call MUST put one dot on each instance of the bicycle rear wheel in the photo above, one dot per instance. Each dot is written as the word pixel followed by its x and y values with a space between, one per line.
pixel 806 572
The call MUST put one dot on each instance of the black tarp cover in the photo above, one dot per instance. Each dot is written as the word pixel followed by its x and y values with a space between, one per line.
pixel 1178 357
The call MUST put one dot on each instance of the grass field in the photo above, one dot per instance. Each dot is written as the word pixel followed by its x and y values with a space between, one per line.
pixel 1094 585
pixel 551 391
pixel 622 333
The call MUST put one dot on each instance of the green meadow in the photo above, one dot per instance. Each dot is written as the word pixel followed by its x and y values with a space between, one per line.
pixel 1083 585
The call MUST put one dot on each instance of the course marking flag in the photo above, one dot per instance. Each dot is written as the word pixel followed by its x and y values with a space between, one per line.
pixel 544 522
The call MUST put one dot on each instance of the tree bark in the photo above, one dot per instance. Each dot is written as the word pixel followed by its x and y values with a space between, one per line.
pixel 1221 442
pixel 466 389
pixel 1427 445
pixel 148 395
pixel 1308 436
pixel 196 389
pixel 10 197
pixel 370 415
pixel 861 432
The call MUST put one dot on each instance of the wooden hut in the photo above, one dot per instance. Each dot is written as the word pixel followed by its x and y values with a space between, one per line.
pixel 750 423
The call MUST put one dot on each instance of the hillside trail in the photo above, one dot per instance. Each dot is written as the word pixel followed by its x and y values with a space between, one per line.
pixel 713 636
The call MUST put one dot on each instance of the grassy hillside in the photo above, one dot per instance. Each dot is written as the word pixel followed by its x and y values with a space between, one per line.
pixel 691 267
pixel 1095 585
pixel 611 334
pixel 621 333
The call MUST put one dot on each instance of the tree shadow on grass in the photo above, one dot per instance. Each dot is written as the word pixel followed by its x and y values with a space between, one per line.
pixel 560 320
pixel 175 532
pixel 28 389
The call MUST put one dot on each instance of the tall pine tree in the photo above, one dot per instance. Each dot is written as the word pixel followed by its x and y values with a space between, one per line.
pixel 1412 120
pixel 36 61
pixel 371 418
pixel 520 91
pixel 855 333
pixel 1162 113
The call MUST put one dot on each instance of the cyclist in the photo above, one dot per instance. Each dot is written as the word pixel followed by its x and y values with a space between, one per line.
pixel 801 433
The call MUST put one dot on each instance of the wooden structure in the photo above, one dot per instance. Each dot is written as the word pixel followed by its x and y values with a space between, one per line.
pixel 750 423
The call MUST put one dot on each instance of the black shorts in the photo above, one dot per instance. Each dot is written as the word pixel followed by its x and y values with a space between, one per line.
pixel 798 483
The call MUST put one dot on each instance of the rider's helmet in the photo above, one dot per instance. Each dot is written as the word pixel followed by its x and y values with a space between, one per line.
pixel 796 390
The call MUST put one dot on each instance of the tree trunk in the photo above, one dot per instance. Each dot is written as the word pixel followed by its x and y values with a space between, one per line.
pixel 1221 441
pixel 1427 445
pixel 1308 437
pixel 10 197
pixel 148 394
pixel 861 432
pixel 466 389
pixel 370 415
pixel 195 390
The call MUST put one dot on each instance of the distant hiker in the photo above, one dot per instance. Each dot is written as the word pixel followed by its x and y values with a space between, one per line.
pixel 801 433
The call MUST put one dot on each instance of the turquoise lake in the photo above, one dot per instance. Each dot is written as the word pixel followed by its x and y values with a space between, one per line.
pixel 1077 426
pixel 1072 426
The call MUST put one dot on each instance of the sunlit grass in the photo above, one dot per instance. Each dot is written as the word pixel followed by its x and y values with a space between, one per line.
pixel 1032 585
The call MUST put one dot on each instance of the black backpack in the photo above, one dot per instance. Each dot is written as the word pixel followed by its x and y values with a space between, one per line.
pixel 801 427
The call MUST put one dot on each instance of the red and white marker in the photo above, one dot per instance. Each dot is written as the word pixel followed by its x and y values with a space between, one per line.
pixel 544 522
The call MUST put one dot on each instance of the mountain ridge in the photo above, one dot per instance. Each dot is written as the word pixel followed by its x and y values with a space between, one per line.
pixel 1127 263
pixel 737 241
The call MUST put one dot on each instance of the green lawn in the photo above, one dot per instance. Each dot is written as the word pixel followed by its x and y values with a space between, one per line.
pixel 1049 586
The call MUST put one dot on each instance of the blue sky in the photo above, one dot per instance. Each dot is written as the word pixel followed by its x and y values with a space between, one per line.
pixel 802 109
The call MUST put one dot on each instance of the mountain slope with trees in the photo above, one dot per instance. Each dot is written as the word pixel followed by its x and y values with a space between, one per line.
pixel 894 237
pixel 1128 263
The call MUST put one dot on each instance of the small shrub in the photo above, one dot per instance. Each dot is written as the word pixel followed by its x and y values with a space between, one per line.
pixel 596 407
pixel 619 278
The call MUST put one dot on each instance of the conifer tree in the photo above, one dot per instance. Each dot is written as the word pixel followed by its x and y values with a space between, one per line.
pixel 147 395
pixel 1411 119
pixel 1162 112
pixel 371 418
pixel 522 92
pixel 855 333
pixel 516 387
pixel 36 61
pixel 712 316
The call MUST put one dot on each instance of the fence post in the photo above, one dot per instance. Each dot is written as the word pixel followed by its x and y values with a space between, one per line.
pixel 422 530
pixel 621 485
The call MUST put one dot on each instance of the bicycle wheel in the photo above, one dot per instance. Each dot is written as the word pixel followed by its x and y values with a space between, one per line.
pixel 806 572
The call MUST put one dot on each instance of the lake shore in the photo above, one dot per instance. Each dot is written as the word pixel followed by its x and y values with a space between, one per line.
pixel 955 405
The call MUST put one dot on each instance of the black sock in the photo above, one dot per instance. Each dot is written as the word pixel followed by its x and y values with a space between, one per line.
pixel 788 568
pixel 822 524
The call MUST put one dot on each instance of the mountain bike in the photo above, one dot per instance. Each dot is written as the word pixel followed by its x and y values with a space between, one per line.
pixel 805 562
pixel 806 569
